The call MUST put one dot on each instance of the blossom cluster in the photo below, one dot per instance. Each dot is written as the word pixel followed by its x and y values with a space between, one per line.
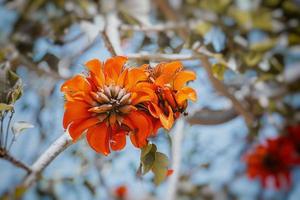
pixel 113 101
pixel 273 161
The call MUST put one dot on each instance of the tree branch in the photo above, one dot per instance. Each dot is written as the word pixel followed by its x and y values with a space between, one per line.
pixel 6 156
pixel 212 117
pixel 161 57
pixel 220 87
pixel 176 156
pixel 46 158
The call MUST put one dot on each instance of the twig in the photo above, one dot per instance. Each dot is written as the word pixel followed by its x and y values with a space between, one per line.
pixel 220 87
pixel 111 33
pixel 6 156
pixel 108 44
pixel 171 15
pixel 159 27
pixel 7 128
pixel 176 156
pixel 161 57
pixel 46 158
pixel 212 117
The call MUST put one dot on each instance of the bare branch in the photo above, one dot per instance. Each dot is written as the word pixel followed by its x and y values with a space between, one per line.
pixel 161 57
pixel 46 158
pixel 6 156
pixel 171 15
pixel 212 117
pixel 220 87
pixel 111 35
pixel 108 44
pixel 176 156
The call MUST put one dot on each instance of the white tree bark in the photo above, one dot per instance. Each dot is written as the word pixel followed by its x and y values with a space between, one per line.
pixel 176 155
pixel 46 158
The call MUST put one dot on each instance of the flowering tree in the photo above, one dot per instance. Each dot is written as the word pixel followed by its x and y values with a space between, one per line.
pixel 110 72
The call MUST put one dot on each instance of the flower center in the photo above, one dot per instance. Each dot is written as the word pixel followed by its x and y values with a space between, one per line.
pixel 112 103
pixel 271 162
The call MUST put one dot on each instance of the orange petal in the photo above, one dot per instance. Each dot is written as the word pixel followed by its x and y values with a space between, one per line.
pixel 75 84
pixel 113 68
pixel 183 77
pixel 134 76
pixel 168 96
pixel 122 78
pixel 164 79
pixel 184 94
pixel 74 111
pixel 79 126
pixel 118 141
pixel 154 110
pixel 98 138
pixel 171 67
pixel 95 67
pixel 170 172
pixel 139 97
pixel 141 128
pixel 167 122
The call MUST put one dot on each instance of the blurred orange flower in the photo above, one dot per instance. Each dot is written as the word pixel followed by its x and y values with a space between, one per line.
pixel 121 192
pixel 106 103
pixel 169 83
pixel 271 161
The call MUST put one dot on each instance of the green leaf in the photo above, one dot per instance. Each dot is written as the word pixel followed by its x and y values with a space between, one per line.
pixel 160 168
pixel 252 59
pixel 202 28
pixel 146 150
pixel 155 161
pixel 148 157
pixel 4 107
pixel 19 192
pixel 148 162
pixel 12 77
pixel 219 70
pixel 263 46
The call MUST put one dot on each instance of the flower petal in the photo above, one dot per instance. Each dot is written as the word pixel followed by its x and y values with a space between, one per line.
pixel 79 126
pixel 76 84
pixel 182 77
pixel 98 138
pixel 184 94
pixel 134 76
pixel 171 67
pixel 166 121
pixel 113 68
pixel 75 110
pixel 141 128
pixel 95 67
pixel 118 141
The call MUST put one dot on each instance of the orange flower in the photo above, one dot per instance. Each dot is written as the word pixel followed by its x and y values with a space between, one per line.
pixel 121 192
pixel 107 104
pixel 169 83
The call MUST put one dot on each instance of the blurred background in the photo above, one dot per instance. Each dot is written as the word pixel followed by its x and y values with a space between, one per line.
pixel 252 45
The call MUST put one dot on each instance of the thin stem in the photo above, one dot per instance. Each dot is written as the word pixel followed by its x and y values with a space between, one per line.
pixel 7 128
pixel 3 113
pixel 4 155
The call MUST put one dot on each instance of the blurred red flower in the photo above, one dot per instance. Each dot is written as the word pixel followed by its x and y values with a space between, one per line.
pixel 271 162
